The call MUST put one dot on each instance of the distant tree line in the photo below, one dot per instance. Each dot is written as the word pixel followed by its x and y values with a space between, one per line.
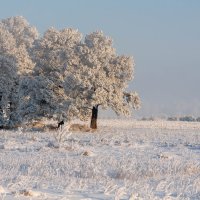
pixel 183 118
pixel 60 75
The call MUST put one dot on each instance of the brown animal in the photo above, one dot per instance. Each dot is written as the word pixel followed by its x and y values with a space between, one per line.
pixel 37 125
pixel 51 127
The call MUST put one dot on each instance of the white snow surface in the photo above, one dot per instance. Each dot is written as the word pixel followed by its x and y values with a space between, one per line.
pixel 123 159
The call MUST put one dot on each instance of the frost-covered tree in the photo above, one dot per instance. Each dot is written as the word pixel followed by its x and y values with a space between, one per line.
pixel 104 77
pixel 8 76
pixel 45 92
pixel 8 79
pixel 85 74
pixel 16 38
pixel 60 75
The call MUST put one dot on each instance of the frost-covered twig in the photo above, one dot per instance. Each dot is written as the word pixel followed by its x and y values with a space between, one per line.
pixel 62 134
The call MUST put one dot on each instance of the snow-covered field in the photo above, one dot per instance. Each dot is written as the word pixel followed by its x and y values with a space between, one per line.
pixel 124 159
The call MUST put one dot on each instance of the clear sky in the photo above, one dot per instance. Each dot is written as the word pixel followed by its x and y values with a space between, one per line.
pixel 162 36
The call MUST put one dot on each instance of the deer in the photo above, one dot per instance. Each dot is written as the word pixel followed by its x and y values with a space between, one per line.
pixel 60 124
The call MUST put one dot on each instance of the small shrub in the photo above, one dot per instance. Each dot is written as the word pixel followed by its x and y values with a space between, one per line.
pixel 144 119
pixel 198 119
pixel 172 119
pixel 148 119
pixel 151 119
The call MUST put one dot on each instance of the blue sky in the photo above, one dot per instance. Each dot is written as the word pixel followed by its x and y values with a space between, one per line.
pixel 162 36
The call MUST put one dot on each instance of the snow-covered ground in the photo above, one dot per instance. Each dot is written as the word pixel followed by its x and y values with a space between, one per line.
pixel 124 159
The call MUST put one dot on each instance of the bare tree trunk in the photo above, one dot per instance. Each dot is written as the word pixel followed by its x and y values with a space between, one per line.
pixel 93 123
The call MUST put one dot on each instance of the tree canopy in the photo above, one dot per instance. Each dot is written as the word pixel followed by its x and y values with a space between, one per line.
pixel 63 75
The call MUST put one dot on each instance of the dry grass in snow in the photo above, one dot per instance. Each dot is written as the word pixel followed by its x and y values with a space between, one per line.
pixel 124 159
